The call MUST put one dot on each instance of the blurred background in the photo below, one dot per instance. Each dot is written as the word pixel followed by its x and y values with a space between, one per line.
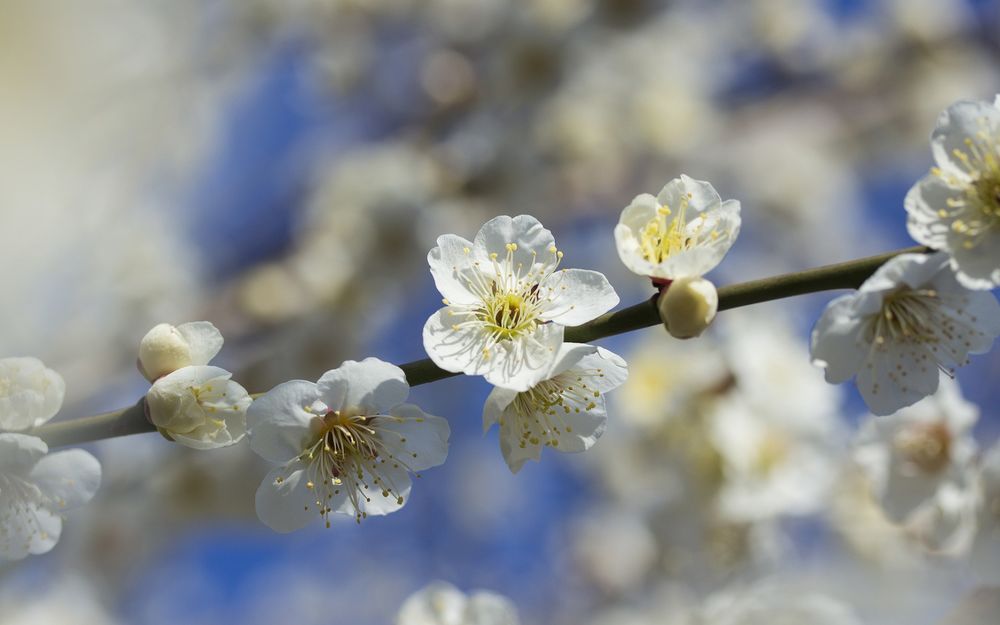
pixel 282 167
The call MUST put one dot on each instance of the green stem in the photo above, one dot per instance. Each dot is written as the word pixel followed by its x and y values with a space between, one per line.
pixel 849 275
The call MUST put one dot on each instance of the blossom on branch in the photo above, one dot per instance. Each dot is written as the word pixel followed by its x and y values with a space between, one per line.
pixel 36 489
pixel 199 407
pixel 565 411
pixel 956 207
pixel 347 445
pixel 685 231
pixel 907 321
pixel 30 393
pixel 506 302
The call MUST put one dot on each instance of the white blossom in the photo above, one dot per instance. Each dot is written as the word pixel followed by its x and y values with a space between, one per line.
pixel 565 411
pixel 907 321
pixel 30 393
pixel 167 348
pixel 956 207
pixel 443 604
pixel 36 489
pixel 199 407
pixel 347 444
pixel 506 302
pixel 767 603
pixel 919 466
pixel 685 231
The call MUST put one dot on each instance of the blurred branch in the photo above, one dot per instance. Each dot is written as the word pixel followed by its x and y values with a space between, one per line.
pixel 849 275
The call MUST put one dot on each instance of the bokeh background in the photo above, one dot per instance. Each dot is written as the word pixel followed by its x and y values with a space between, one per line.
pixel 281 168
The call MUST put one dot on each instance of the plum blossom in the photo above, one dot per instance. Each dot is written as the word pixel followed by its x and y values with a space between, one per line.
pixel 685 231
pixel 199 407
pixel 443 604
pixel 30 393
pixel 346 445
pixel 506 302
pixel 956 207
pixel 167 348
pixel 906 322
pixel 919 466
pixel 36 489
pixel 565 411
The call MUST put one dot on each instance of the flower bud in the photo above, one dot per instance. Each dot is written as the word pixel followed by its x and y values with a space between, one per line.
pixel 688 306
pixel 166 348
pixel 199 407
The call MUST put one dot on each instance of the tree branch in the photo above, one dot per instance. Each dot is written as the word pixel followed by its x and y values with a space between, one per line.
pixel 848 275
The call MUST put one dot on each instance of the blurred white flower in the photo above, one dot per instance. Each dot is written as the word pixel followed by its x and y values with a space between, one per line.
pixel 35 489
pixel 615 548
pixel 199 407
pixel 443 604
pixel 909 319
pixel 771 604
pixel 506 304
pixel 167 348
pixel 685 231
pixel 565 411
pixel 985 552
pixel 346 444
pixel 30 393
pixel 771 466
pixel 956 208
pixel 70 599
pixel 919 466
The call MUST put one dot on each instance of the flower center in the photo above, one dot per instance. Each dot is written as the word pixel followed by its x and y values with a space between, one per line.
pixel 926 446
pixel 661 238
pixel 511 298
pixel 347 453
pixel 543 409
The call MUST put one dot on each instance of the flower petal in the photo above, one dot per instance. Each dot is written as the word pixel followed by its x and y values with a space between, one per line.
pixel 959 122
pixel 838 343
pixel 884 388
pixel 278 421
pixel 283 501
pixel 372 386
pixel 496 403
pixel 418 440
pixel 20 452
pixel 69 478
pixel 578 296
pixel 204 340
pixel 448 262
pixel 534 242
pixel 32 393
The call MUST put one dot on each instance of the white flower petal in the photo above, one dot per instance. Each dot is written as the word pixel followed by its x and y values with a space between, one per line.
pixel 30 393
pixel 884 388
pixel 534 242
pixel 922 203
pixel 68 478
pixel 278 422
pixel 204 340
pixel 613 368
pixel 30 528
pixel 20 452
pixel 371 386
pixel 838 341
pixel 496 403
pixel 284 502
pixel 450 262
pixel 578 296
pixel 418 440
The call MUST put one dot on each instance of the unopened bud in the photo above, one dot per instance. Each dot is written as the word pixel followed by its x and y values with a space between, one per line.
pixel 688 307
pixel 163 350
